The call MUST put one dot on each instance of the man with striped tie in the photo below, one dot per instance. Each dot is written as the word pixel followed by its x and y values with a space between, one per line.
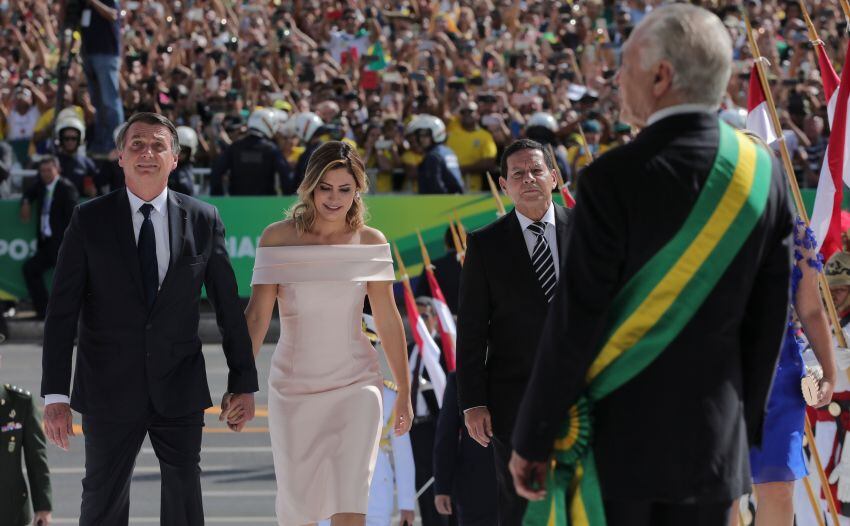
pixel 509 277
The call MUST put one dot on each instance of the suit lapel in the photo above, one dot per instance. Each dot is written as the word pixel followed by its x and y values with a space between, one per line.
pixel 176 237
pixel 127 239
pixel 522 263
pixel 562 222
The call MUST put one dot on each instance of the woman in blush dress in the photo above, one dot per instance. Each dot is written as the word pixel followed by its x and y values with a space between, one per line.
pixel 325 411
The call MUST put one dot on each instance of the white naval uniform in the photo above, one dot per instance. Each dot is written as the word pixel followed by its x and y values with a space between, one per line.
pixel 391 474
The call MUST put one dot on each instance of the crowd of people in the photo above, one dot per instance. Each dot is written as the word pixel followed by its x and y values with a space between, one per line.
pixel 430 92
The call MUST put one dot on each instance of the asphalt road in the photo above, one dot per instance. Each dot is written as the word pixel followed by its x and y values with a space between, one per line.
pixel 237 477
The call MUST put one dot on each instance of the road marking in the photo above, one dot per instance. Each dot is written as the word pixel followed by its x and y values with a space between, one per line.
pixel 208 520
pixel 260 411
pixel 242 493
pixel 78 429
pixel 144 470
pixel 222 449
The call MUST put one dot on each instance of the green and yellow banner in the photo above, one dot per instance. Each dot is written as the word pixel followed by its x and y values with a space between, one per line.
pixel 398 216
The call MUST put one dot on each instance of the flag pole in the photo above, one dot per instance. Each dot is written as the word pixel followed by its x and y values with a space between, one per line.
pixel 500 206
pixel 426 259
pixel 801 210
pixel 461 253
pixel 569 200
pixel 461 230
pixel 814 500
pixel 813 34
pixel 585 148
pixel 402 270
pixel 845 6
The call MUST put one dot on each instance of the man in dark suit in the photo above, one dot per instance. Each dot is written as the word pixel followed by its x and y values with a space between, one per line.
pixel 447 272
pixel 131 269
pixel 464 475
pixel 712 379
pixel 508 279
pixel 54 198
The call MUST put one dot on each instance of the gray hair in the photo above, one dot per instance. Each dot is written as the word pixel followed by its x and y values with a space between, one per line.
pixel 148 118
pixel 696 44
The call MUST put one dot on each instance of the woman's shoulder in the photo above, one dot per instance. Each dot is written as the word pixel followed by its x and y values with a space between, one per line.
pixel 279 234
pixel 372 236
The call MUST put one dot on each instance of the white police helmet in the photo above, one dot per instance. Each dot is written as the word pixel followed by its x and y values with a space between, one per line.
pixel 543 119
pixel 428 122
pixel 306 125
pixel 263 121
pixel 188 139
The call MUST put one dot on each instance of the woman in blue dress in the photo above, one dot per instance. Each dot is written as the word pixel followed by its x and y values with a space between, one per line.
pixel 780 460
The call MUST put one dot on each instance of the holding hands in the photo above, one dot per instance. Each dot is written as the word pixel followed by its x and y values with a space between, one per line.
pixel 237 409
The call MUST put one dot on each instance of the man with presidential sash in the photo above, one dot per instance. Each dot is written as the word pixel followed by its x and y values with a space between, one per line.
pixel 656 359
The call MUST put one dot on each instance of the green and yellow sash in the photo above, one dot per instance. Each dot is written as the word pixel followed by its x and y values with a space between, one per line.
pixel 650 312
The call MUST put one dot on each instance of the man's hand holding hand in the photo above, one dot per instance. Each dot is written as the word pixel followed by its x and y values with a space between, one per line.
pixel 237 409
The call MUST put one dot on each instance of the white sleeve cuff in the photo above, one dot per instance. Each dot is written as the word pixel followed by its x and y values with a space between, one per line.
pixel 56 399
pixel 471 408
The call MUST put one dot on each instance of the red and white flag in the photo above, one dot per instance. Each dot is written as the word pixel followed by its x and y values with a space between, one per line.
pixel 425 345
pixel 446 322
pixel 826 215
pixel 569 200
pixel 758 115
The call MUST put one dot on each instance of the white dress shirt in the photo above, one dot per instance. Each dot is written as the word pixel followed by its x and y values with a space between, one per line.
pixel 531 238
pixel 46 231
pixel 680 109
pixel 159 218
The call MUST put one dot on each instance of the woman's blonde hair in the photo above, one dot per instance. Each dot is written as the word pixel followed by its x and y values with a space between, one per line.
pixel 328 156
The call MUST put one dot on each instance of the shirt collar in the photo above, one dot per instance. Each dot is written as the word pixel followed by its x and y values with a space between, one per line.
pixel 548 217
pixel 678 110
pixel 158 202
pixel 52 185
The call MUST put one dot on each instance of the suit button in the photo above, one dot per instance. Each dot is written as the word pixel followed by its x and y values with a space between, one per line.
pixel 148 354
pixel 148 326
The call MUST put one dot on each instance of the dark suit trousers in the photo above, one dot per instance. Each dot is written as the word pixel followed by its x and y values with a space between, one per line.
pixel 34 269
pixel 646 513
pixel 111 451
pixel 511 505
pixel 422 444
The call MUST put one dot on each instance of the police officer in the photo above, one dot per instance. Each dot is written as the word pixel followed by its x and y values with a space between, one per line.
pixel 181 179
pixel 543 128
pixel 74 165
pixel 21 434
pixel 439 172
pixel 253 163
pixel 307 127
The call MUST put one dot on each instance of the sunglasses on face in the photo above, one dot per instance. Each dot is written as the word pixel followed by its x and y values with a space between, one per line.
pixel 68 138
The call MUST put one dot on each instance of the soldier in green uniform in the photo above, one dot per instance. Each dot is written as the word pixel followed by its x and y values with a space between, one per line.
pixel 21 434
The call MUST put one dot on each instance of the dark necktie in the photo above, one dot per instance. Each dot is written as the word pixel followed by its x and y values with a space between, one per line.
pixel 542 261
pixel 147 256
